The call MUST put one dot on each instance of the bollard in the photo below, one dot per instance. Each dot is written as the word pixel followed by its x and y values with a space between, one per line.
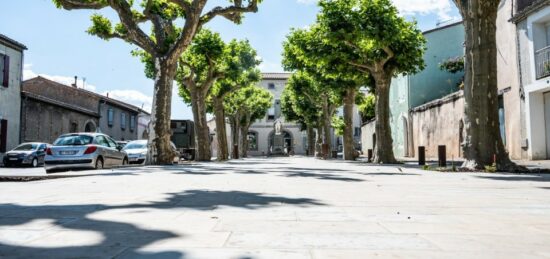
pixel 235 151
pixel 325 151
pixel 421 155
pixel 370 155
pixel 442 153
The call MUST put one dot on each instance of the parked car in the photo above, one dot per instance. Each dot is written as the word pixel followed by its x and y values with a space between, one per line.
pixel 84 150
pixel 137 151
pixel 122 143
pixel 29 154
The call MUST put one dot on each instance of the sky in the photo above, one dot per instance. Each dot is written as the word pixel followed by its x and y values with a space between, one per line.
pixel 59 48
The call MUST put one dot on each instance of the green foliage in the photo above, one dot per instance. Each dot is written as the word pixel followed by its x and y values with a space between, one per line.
pixel 367 107
pixel 453 65
pixel 302 99
pixel 372 31
pixel 249 103
pixel 491 168
pixel 339 125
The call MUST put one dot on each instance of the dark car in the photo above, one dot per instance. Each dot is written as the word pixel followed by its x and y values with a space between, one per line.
pixel 29 154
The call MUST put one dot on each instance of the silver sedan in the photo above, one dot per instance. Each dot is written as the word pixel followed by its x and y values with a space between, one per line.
pixel 84 151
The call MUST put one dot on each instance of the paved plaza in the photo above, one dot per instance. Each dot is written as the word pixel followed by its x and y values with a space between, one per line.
pixel 276 208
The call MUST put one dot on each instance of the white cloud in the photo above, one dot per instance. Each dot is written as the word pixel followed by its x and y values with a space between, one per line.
pixel 133 97
pixel 441 8
pixel 28 73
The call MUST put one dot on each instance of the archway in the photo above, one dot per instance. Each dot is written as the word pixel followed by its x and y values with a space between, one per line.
pixel 280 144
pixel 90 127
pixel 405 137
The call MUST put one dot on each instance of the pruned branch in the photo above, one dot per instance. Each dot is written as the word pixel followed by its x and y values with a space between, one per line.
pixel 81 4
pixel 390 54
pixel 135 34
pixel 232 13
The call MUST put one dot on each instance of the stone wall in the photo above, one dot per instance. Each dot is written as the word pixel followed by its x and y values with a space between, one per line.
pixel 438 123
pixel 45 122
pixel 367 137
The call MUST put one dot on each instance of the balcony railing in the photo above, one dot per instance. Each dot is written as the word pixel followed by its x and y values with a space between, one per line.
pixel 542 61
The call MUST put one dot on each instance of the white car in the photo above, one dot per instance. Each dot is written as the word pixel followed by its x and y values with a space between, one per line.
pixel 137 151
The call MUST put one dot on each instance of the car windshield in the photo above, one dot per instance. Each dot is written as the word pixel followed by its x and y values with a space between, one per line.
pixel 74 140
pixel 135 145
pixel 26 147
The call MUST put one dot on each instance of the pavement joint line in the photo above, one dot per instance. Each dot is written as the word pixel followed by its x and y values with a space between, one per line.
pixel 227 239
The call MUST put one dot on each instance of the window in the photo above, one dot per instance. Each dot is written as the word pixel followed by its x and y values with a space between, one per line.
pixel 277 109
pixel 252 141
pixel 100 140
pixel 74 127
pixel 502 118
pixel 123 120
pixel 4 70
pixel 111 142
pixel 357 132
pixel 110 116
pixel 132 122
pixel 271 114
pixel 271 86
pixel 3 135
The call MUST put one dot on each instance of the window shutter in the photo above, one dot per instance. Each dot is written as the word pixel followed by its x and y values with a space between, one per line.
pixel 6 80
pixel 3 135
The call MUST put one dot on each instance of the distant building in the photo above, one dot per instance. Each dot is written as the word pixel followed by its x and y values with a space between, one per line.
pixel 50 109
pixel 11 72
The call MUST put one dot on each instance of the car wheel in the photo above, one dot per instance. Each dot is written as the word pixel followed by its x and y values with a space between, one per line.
pixel 34 162
pixel 99 163
pixel 125 161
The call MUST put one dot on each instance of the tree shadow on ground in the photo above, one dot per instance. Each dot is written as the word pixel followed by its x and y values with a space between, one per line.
pixel 517 178
pixel 390 174
pixel 322 176
pixel 119 239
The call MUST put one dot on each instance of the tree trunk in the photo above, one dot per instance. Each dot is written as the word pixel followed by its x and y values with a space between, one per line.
pixel 221 134
pixel 202 133
pixel 243 146
pixel 234 137
pixel 383 152
pixel 159 151
pixel 349 147
pixel 327 122
pixel 310 140
pixel 319 142
pixel 482 143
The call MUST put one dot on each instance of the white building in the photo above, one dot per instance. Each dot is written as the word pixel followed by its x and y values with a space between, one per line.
pixel 11 72
pixel 533 31
pixel 263 140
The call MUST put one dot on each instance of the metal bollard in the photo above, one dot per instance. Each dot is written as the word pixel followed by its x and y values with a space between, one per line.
pixel 421 155
pixel 442 154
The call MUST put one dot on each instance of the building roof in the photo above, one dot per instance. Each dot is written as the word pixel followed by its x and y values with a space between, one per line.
pixel 12 43
pixel 84 91
pixel 528 9
pixel 442 27
pixel 277 76
pixel 59 103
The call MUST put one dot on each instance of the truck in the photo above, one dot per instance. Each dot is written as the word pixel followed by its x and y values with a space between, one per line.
pixel 183 136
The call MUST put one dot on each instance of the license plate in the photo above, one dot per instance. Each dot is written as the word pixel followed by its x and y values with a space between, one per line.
pixel 67 152
pixel 13 159
pixel 133 158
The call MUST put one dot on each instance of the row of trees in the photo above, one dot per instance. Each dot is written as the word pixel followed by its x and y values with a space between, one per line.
pixel 213 76
pixel 366 43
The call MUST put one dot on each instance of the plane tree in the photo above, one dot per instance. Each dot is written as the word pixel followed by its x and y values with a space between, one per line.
pixel 241 71
pixel 482 145
pixel 244 107
pixel 372 38
pixel 173 24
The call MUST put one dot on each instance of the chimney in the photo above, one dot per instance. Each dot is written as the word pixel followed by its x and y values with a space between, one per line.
pixel 75 81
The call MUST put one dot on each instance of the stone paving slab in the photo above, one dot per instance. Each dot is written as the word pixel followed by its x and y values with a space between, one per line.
pixel 276 208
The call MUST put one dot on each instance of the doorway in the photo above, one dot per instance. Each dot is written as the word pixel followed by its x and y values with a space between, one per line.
pixel 547 122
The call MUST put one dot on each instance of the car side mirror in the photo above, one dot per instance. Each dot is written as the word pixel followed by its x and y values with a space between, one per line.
pixel 119 147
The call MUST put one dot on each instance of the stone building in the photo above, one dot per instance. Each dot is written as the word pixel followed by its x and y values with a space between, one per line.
pixel 11 72
pixel 263 140
pixel 50 109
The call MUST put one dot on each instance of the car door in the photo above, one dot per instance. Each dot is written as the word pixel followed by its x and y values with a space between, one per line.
pixel 117 156
pixel 103 144
pixel 41 153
